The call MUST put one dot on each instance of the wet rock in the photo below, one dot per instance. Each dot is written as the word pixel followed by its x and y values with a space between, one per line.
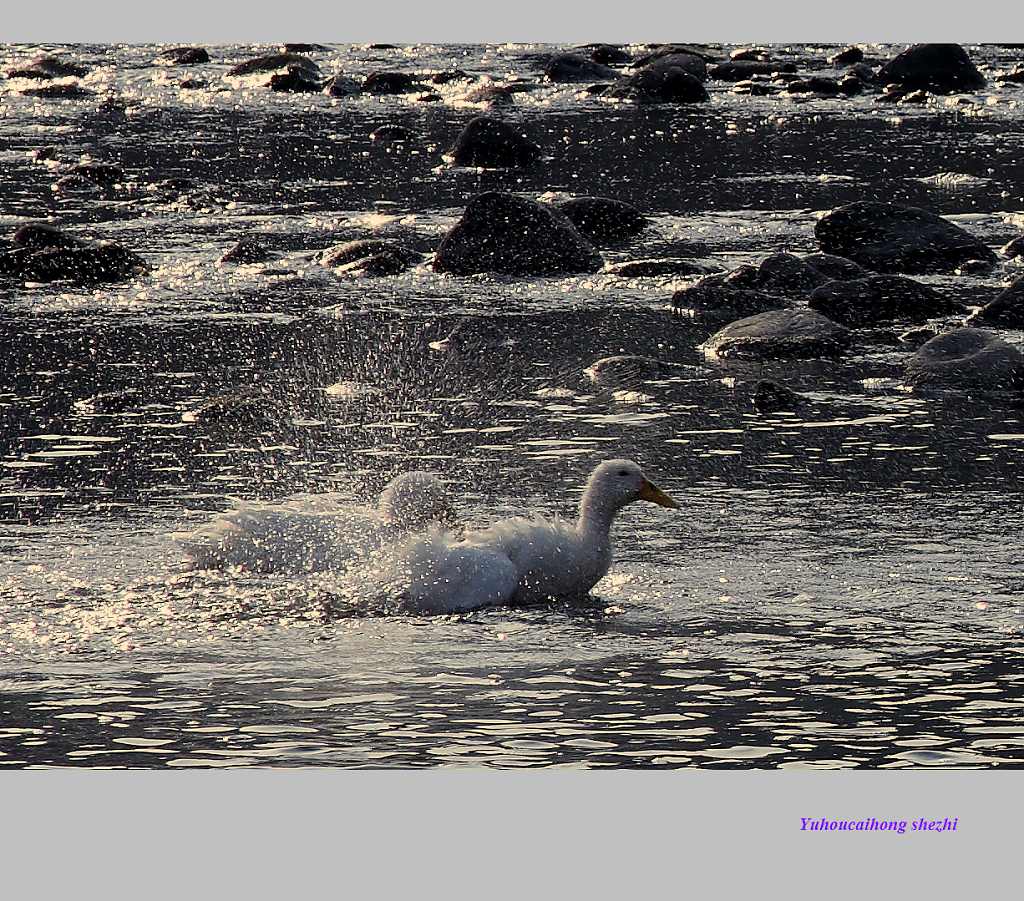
pixel 342 86
pixel 864 72
pixel 608 54
pixel 847 56
pixel 603 221
pixel 184 56
pixel 44 154
pixel 495 95
pixel 629 369
pixel 449 75
pixel 60 92
pixel 507 234
pixel 779 335
pixel 74 184
pixel 305 48
pixel 1014 248
pixel 572 67
pixel 718 299
pixel 666 80
pixel 493 144
pixel 688 57
pixel 877 299
pixel 45 67
pixel 193 84
pixel 370 256
pixel 666 266
pixel 392 83
pixel 815 85
pixel 391 134
pixel 275 61
pixel 743 70
pixel 939 68
pixel 750 53
pixel 770 397
pixel 755 88
pixel 785 275
pixel 915 337
pixel 1014 77
pixel 296 81
pixel 105 174
pixel 850 85
pixel 833 267
pixel 969 359
pixel 41 253
pixel 248 250
pixel 887 237
pixel 1005 311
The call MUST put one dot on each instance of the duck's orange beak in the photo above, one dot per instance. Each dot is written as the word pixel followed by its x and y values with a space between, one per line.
pixel 651 492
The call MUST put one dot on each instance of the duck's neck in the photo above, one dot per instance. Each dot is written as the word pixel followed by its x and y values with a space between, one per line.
pixel 596 517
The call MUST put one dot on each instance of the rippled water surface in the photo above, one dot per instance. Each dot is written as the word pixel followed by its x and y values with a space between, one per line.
pixel 843 587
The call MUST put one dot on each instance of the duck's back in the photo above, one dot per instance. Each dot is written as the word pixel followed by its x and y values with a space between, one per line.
pixel 550 557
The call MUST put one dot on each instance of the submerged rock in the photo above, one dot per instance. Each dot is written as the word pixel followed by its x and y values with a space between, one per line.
pixel 248 250
pixel 41 253
pixel 495 95
pixel 296 81
pixel 46 66
pixel 714 299
pixel 608 54
pixel 770 397
pixel 369 256
pixel 742 70
pixel 392 83
pixel 508 234
pixel 665 266
pixel 939 68
pixel 1014 248
pixel 877 299
pixel 60 92
pixel 828 87
pixel 603 221
pixel 779 335
pixel 275 61
pixel 628 369
pixel 572 67
pixel 342 86
pixel 669 79
pixel 887 237
pixel 1005 311
pixel 391 134
pixel 968 359
pixel 183 56
pixel 847 56
pixel 493 144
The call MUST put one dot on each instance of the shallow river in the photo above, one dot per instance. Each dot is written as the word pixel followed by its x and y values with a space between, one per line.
pixel 842 588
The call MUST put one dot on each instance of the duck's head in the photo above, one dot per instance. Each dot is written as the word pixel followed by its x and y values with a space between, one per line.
pixel 413 500
pixel 615 483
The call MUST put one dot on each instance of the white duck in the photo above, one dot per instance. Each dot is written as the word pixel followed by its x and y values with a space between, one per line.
pixel 558 559
pixel 285 539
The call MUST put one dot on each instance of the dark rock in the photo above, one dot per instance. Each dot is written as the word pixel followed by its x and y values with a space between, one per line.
pixel 847 56
pixel 939 68
pixel 664 267
pixel 850 85
pixel 779 335
pixel 494 144
pixel 46 66
pixel 376 264
pixel 571 67
pixel 390 134
pixel 1014 248
pixel 43 254
pixel 663 81
pixel 770 397
pixel 813 85
pixel 742 70
pixel 383 47
pixel 248 250
pixel 696 64
pixel 879 298
pixel 295 81
pixel 365 248
pixel 75 184
pixel 184 56
pixel 449 75
pixel 835 268
pixel 101 173
pixel 44 154
pixel 38 235
pixel 887 237
pixel 1014 77
pixel 754 88
pixel 342 86
pixel 603 221
pixel 750 53
pixel 966 358
pixel 1006 311
pixel 608 54
pixel 787 276
pixel 275 61
pixel 60 92
pixel 392 83
pixel 864 72
pixel 713 299
pixel 193 84
pixel 512 235
pixel 305 48
pixel 429 97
